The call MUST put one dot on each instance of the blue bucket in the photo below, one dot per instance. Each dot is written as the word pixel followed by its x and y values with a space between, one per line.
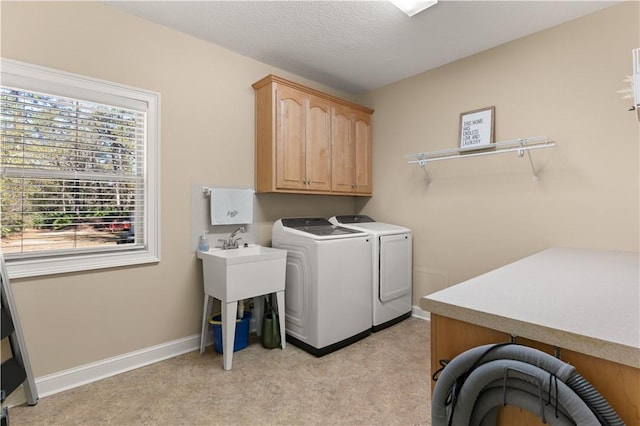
pixel 241 339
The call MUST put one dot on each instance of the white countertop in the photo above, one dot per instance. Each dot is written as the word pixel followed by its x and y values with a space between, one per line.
pixel 583 300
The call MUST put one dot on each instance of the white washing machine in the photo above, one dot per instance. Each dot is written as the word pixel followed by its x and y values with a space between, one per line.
pixel 391 268
pixel 327 284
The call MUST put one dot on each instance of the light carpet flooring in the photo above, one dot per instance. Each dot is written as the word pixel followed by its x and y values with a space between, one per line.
pixel 383 379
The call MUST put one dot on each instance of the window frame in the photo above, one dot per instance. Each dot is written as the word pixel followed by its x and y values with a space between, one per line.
pixel 37 78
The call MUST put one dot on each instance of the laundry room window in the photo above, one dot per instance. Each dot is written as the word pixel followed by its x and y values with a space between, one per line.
pixel 79 172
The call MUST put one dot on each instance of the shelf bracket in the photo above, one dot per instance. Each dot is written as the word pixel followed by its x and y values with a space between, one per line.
pixel 521 152
pixel 422 162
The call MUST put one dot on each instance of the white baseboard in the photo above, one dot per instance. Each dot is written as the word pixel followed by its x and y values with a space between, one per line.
pixel 419 313
pixel 88 373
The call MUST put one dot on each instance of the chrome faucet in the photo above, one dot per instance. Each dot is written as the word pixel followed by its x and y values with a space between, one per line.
pixel 232 242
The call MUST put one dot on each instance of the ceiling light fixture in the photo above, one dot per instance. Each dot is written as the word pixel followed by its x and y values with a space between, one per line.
pixel 413 7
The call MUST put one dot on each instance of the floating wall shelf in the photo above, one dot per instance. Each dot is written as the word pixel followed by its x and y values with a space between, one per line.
pixel 517 145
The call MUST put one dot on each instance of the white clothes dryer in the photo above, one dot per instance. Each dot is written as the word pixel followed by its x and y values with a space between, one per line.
pixel 391 252
pixel 327 284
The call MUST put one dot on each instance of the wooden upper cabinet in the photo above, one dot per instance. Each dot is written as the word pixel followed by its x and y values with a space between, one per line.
pixel 310 142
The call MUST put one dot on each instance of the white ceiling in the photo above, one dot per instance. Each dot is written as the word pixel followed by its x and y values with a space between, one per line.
pixel 355 46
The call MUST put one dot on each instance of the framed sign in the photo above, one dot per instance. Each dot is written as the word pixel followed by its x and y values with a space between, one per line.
pixel 476 129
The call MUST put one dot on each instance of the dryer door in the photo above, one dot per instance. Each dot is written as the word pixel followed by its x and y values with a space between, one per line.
pixel 395 266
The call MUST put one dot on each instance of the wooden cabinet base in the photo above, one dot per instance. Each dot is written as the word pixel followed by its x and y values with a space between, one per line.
pixel 618 384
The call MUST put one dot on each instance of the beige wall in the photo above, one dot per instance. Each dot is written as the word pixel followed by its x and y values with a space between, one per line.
pixel 477 215
pixel 481 213
pixel 207 107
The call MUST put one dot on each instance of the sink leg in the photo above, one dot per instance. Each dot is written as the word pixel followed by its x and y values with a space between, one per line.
pixel 206 312
pixel 229 312
pixel 280 302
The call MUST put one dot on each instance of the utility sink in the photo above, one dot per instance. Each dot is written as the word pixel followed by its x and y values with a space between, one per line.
pixel 236 274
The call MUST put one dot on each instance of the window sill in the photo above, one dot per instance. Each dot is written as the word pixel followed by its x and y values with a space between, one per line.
pixel 39 267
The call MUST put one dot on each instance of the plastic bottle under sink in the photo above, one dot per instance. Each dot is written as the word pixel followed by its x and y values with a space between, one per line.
pixel 240 309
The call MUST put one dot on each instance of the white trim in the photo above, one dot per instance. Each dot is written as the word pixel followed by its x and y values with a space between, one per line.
pixel 92 372
pixel 88 373
pixel 66 84
pixel 419 313
pixel 52 81
pixel 37 267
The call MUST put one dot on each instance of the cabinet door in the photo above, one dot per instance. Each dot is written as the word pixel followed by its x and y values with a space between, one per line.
pixel 362 147
pixel 341 150
pixel 290 139
pixel 318 144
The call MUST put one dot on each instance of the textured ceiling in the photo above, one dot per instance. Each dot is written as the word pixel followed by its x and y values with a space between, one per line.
pixel 355 46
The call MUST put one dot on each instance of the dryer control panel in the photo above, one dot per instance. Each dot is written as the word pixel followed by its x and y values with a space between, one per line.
pixel 316 226
pixel 354 218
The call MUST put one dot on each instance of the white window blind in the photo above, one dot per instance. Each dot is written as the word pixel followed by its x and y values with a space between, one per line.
pixel 75 175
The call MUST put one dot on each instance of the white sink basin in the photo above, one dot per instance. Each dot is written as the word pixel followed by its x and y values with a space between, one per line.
pixel 251 253
pixel 241 273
